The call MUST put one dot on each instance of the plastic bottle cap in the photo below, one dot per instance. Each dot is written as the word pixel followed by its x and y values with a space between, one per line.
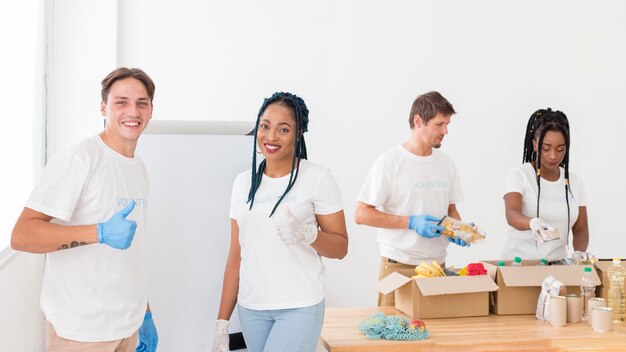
pixel 517 260
pixel 543 261
pixel 501 263
pixel 587 270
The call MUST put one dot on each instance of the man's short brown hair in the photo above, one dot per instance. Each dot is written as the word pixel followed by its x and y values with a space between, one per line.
pixel 428 106
pixel 125 72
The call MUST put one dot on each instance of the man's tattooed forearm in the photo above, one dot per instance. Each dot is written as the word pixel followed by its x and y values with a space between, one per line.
pixel 72 245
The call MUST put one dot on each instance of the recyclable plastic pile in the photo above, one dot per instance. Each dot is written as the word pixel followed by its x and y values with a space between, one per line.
pixel 391 327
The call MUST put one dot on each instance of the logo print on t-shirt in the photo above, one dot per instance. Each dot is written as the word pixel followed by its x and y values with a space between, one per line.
pixel 274 199
pixel 430 184
pixel 122 202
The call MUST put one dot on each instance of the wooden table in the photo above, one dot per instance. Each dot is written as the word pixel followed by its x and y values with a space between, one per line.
pixel 489 333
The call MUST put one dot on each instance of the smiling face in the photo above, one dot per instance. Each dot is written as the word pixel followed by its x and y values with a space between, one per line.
pixel 432 133
pixel 552 150
pixel 276 135
pixel 127 110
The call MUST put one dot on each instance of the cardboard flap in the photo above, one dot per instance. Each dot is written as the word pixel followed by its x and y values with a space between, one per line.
pixel 569 275
pixel 455 284
pixel 391 282
pixel 491 270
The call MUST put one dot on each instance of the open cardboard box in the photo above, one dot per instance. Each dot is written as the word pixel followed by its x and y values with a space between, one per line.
pixel 519 287
pixel 602 265
pixel 439 297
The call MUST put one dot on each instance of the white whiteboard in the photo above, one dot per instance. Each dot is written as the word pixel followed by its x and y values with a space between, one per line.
pixel 189 231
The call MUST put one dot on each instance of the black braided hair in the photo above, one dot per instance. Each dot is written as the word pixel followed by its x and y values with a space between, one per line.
pixel 540 122
pixel 301 112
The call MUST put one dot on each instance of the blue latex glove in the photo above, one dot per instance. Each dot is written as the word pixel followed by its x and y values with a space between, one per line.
pixel 425 225
pixel 148 337
pixel 458 241
pixel 118 232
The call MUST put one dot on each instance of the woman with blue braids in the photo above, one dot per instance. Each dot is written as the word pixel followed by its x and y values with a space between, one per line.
pixel 286 214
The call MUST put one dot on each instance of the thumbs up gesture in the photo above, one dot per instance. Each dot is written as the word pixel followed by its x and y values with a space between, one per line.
pixel 118 232
pixel 292 230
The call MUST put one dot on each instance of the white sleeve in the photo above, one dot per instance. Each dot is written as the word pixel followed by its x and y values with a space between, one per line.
pixel 327 196
pixel 514 181
pixel 376 187
pixel 60 187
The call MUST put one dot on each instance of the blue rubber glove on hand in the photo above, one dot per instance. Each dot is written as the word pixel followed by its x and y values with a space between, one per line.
pixel 425 225
pixel 118 232
pixel 458 241
pixel 148 337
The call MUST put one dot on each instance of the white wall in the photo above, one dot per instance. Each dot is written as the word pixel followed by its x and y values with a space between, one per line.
pixel 80 49
pixel 359 65
pixel 22 323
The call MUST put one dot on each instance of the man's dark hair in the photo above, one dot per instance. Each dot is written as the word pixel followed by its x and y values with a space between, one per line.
pixel 428 106
pixel 125 72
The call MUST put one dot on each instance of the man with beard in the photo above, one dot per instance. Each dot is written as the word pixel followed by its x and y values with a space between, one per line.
pixel 409 189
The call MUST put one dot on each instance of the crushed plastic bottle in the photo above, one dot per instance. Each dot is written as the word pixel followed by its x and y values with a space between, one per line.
pixel 587 289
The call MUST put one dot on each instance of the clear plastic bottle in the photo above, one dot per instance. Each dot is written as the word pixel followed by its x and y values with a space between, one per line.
pixel 587 289
pixel 616 273
pixel 517 261
pixel 542 262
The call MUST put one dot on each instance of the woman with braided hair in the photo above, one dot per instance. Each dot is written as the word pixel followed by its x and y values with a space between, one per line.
pixel 286 214
pixel 544 202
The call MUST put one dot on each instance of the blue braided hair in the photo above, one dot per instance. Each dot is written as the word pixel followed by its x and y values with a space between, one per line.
pixel 301 113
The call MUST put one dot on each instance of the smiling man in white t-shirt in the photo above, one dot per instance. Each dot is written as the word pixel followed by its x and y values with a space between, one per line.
pixel 88 214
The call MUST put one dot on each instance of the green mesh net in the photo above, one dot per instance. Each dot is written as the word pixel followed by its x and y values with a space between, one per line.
pixel 391 327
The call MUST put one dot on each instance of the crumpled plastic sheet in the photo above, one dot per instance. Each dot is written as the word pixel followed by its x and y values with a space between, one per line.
pixel 391 327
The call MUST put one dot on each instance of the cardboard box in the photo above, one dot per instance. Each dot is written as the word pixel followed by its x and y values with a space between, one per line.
pixel 602 265
pixel 439 297
pixel 519 287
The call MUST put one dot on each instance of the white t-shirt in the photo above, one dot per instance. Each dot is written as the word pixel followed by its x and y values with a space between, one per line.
pixel 405 184
pixel 93 293
pixel 274 275
pixel 552 209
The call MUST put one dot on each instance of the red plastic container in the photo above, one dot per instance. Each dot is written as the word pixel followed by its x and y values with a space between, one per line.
pixel 476 269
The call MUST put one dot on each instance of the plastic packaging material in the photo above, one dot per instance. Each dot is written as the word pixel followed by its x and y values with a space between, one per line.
pixel 476 269
pixel 550 235
pixel 473 269
pixel 616 299
pixel 587 290
pixel 517 261
pixel 583 258
pixel 392 327
pixel 458 229
pixel 542 262
pixel 549 287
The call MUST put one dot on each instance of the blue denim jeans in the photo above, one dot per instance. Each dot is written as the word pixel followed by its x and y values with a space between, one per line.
pixel 282 330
